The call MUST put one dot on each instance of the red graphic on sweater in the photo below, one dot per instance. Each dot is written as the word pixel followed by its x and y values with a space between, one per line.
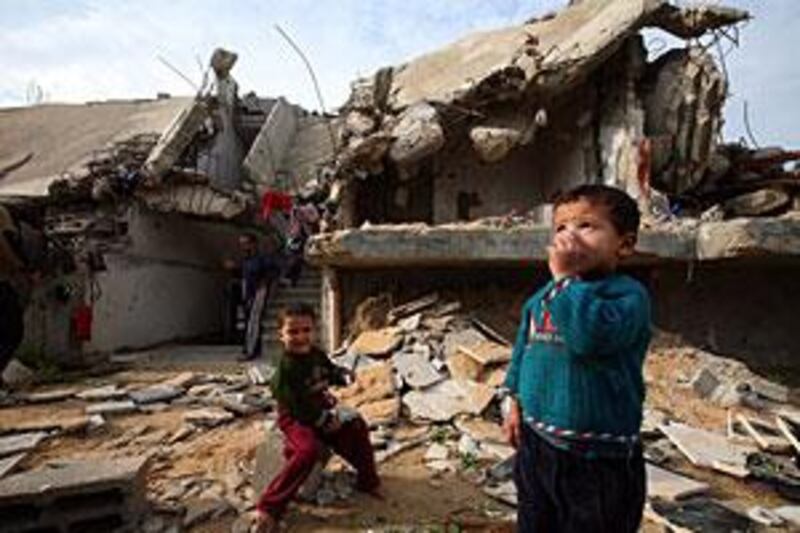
pixel 547 323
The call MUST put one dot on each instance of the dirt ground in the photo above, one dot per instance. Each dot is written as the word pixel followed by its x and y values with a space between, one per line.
pixel 414 497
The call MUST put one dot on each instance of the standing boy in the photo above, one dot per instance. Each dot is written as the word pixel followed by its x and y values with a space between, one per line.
pixel 309 419
pixel 575 377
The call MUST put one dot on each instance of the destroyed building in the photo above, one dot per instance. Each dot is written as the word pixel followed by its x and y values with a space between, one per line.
pixel 446 165
pixel 142 201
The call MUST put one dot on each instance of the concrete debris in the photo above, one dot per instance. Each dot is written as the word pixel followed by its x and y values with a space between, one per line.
pixel 204 509
pixel 260 374
pixel 372 383
pixel 380 412
pixel 102 394
pixel 417 134
pixel 111 408
pixel 669 486
pixel 705 383
pixel 486 352
pixel 765 517
pixel 505 492
pixel 416 369
pixel 184 380
pixel 75 495
pixel 790 513
pixel 377 343
pixel 445 400
pixel 437 452
pixel 156 393
pixel 209 418
pixel 481 430
pixel 411 308
pixel 493 143
pixel 697 514
pixel 51 396
pixel 17 376
pixel 709 450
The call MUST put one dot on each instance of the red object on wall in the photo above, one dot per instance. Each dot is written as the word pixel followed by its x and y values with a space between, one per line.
pixel 82 322
pixel 275 201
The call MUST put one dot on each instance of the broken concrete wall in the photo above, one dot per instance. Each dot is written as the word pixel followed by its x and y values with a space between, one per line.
pixel 738 309
pixel 266 156
pixel 693 303
pixel 685 91
pixel 563 156
pixel 48 320
pixel 168 284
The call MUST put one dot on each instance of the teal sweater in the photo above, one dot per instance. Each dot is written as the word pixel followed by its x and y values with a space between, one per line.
pixel 576 368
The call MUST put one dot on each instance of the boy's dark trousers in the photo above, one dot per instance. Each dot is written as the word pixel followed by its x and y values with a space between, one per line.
pixel 561 492
pixel 302 448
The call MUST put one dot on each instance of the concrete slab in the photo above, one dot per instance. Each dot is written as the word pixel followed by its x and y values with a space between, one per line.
pixel 72 476
pixel 50 396
pixel 709 450
pixel 111 408
pixel 416 369
pixel 790 513
pixel 670 486
pixel 14 444
pixel 156 393
pixel 377 343
pixel 482 430
pixel 380 412
pixel 454 244
pixel 211 417
pixel 445 400
pixel 486 352
pixel 372 383
pixel 102 394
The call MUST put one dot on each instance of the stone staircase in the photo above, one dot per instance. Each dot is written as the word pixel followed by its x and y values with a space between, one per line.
pixel 308 290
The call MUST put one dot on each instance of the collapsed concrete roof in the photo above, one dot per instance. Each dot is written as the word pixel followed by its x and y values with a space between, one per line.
pixel 547 54
pixel 38 144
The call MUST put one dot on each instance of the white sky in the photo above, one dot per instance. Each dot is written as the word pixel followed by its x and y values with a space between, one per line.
pixel 79 50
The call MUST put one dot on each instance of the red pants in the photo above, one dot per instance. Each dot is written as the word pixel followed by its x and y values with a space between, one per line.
pixel 302 449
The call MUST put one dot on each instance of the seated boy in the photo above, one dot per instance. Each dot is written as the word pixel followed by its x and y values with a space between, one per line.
pixel 308 417
pixel 575 376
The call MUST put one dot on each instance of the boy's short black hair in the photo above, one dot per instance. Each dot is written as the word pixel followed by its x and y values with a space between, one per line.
pixel 296 309
pixel 622 209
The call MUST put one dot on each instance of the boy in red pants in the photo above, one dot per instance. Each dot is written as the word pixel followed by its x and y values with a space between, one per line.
pixel 308 418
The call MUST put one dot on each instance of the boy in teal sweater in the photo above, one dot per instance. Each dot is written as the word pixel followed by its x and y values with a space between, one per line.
pixel 575 378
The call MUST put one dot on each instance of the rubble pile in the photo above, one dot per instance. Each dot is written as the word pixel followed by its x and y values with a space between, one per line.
pixel 744 182
pixel 199 405
pixel 429 366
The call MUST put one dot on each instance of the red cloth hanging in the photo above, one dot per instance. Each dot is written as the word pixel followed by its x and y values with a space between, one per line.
pixel 275 201
pixel 82 322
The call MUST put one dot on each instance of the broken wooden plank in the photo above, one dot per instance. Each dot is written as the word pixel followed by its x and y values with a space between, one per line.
pixel 412 307
pixel 766 436
pixel 786 428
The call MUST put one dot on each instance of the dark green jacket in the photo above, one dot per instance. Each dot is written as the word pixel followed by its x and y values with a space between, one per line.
pixel 301 383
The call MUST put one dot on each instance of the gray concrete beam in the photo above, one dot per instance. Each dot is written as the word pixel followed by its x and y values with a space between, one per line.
pixel 453 245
